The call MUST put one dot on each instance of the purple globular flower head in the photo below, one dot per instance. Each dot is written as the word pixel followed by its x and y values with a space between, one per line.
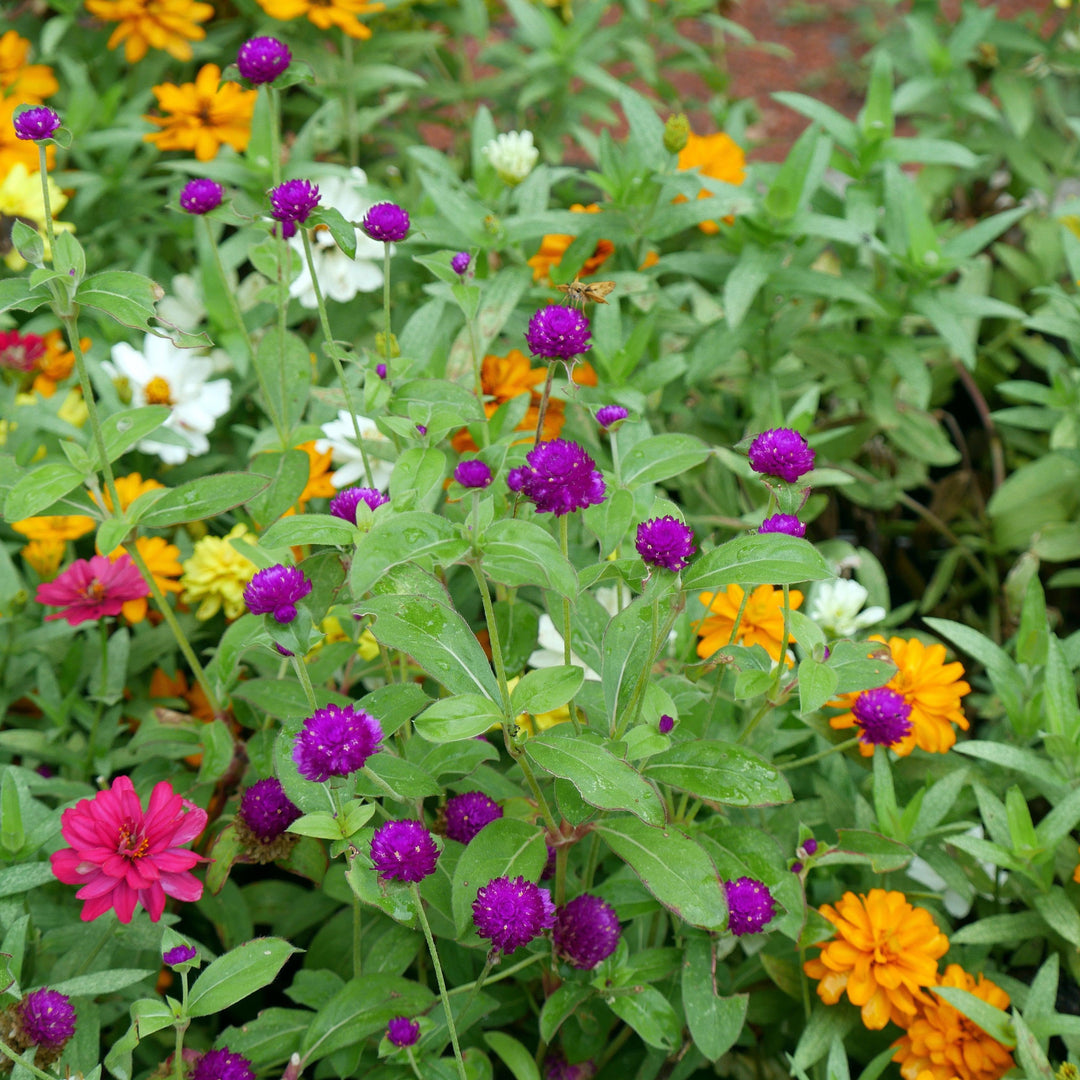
pixel 275 591
pixel 549 866
pixel 387 222
pixel 883 716
pixel 222 1065
pixel 48 1019
pixel 200 196
pixel 345 502
pixel 666 724
pixel 473 473
pixel 468 813
pixel 665 542
pixel 557 332
pixel 404 851
pixel 380 370
pixel 586 931
pixel 401 1031
pixel 37 123
pixel 292 202
pixel 810 846
pixel 460 263
pixel 781 452
pixel 515 478
pixel 558 1068
pixel 336 741
pixel 263 59
pixel 180 954
pixel 559 477
pixel 750 906
pixel 788 524
pixel 267 810
pixel 510 912
pixel 609 415
pixel 796 867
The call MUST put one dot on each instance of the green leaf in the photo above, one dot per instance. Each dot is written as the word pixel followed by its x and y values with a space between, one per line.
pixel 1060 913
pixel 800 175
pixel 861 846
pixel 407 781
pixel 17 295
pixel 40 489
pixel 835 123
pixel 437 638
pixel 769 559
pixel 300 529
pixel 218 749
pixel 240 972
pixel 650 1014
pixel 715 1022
pixel 824 1026
pixel 395 539
pixel 876 120
pixel 417 479
pixel 225 852
pixel 601 779
pixel 12 833
pixel 508 848
pixel 546 689
pixel 559 1006
pixel 744 282
pixel 661 457
pixel 1000 930
pixel 860 665
pixel 28 242
pixel 287 474
pixel 720 772
pixel 463 716
pixel 23 877
pixel 343 232
pixel 124 429
pixel 126 297
pixel 283 362
pixel 102 982
pixel 994 1022
pixel 817 684
pixel 202 499
pixel 516 1058
pixel 672 867
pixel 523 553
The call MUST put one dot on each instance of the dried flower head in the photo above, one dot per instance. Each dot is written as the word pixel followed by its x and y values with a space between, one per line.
pixel 750 906
pixel 200 196
pixel 276 591
pixel 586 931
pixel 559 477
pixel 665 542
pixel 336 741
pixel 781 452
pixel 404 851
pixel 263 59
pixel 511 912
pixel 468 813
pixel 386 222
pixel 558 333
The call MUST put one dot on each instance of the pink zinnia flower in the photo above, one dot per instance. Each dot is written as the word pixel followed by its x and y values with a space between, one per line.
pixel 122 855
pixel 92 588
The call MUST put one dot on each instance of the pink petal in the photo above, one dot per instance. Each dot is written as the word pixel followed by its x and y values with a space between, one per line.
pixel 182 886
pixel 153 899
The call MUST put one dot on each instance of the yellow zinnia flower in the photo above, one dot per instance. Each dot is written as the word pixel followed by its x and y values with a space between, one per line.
pixel 553 247
pixel 343 14
pixel 216 574
pixel 884 952
pixel 170 25
pixel 202 115
pixel 163 560
pixel 44 556
pixel 74 410
pixel 931 687
pixel 59 527
pixel 717 156
pixel 762 622
pixel 129 488
pixel 943 1044
pixel 29 84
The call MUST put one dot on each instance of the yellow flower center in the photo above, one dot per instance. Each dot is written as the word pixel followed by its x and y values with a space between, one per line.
pixel 158 392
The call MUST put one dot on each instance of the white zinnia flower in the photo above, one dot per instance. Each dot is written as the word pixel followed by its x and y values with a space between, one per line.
pixel 836 606
pixel 164 375
pixel 512 155
pixel 341 438
pixel 550 641
pixel 340 277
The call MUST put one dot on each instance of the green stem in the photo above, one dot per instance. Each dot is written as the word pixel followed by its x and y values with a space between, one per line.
pixel 181 1028
pixel 331 351
pixel 478 383
pixel 386 305
pixel 412 1063
pixel 275 133
pixel 836 748
pixel 489 963
pixel 439 979
pixel 506 973
pixel 542 411
pixel 564 545
pixel 534 787
pixel 630 713
pixel 562 857
pixel 174 625
pixel 32 1069
pixel 304 676
pixel 496 643
pixel 44 173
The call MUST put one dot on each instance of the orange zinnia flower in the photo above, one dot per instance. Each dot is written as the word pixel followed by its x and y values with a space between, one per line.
pixel 553 248
pixel 57 364
pixel 343 14
pixel 931 687
pixel 942 1042
pixel 884 952
pixel 161 686
pixel 163 561
pixel 56 527
pixel 717 156
pixel 202 115
pixel 44 556
pixel 170 25
pixel 319 485
pixel 27 83
pixel 762 621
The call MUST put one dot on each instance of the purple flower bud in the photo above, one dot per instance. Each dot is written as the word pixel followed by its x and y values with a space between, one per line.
pixel 292 202
pixel 750 906
pixel 48 1019
pixel 345 502
pixel 267 810
pixel 460 263
pixel 781 452
pixel 387 222
pixel 559 477
pixel 275 591
pixel 336 741
pixel 468 813
pixel 810 846
pixel 181 954
pixel 421 429
pixel 788 524
pixel 666 724
pixel 883 717
pixel 36 124
pixel 222 1065
pixel 380 370
pixel 201 196
pixel 263 59
pixel 404 851
pixel 402 1031
pixel 558 333
pixel 586 931
pixel 282 651
pixel 665 542
pixel 473 473
pixel 610 415
pixel 796 867
pixel 515 478
pixel 511 912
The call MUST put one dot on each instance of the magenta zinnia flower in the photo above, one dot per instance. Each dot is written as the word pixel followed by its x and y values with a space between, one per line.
pixel 781 452
pixel 559 477
pixel 586 931
pixel 123 855
pixel 404 851
pixel 92 588
pixel 511 912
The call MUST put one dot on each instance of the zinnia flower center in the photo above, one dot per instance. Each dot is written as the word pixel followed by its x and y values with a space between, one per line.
pixel 158 392
pixel 130 843
pixel 95 590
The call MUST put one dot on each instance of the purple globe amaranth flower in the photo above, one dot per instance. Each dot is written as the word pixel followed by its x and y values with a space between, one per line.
pixel 810 846
pixel 380 370
pixel 473 473
pixel 559 477
pixel 401 1031
pixel 460 263
pixel 558 1068
pixel 788 524
pixel 666 724
pixel 336 741
pixel 345 502
pixel 48 1019
pixel 404 851
pixel 511 912
pixel 292 202
pixel 781 452
pixel 515 478
pixel 200 196
pixel 468 813
pixel 222 1065
pixel 610 415
pixel 750 906
pixel 37 123
pixel 263 59
pixel 796 867
pixel 549 866
pixel 266 810
pixel 275 591
pixel 387 222
pixel 179 954
pixel 558 333
pixel 665 542
pixel 586 931
pixel 883 716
